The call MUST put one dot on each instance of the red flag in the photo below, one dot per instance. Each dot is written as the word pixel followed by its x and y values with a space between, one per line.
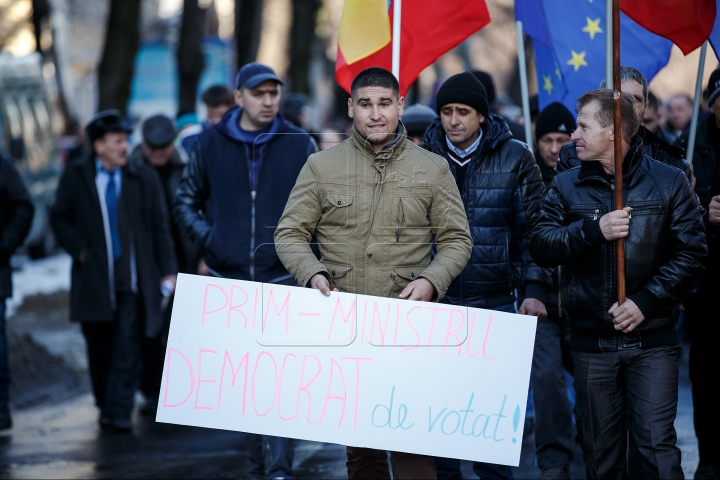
pixel 687 23
pixel 430 28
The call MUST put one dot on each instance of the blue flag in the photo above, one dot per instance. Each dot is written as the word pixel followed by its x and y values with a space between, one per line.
pixel 551 84
pixel 715 34
pixel 577 39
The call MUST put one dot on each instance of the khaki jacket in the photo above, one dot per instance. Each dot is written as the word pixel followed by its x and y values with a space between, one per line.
pixel 375 216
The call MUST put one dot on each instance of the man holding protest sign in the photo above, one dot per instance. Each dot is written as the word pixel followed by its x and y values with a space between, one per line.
pixel 626 355
pixel 375 203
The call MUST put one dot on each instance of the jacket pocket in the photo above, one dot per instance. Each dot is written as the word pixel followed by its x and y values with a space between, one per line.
pixel 339 213
pixel 402 276
pixel 340 276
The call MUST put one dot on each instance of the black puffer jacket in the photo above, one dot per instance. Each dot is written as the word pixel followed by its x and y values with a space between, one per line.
pixel 502 195
pixel 653 146
pixel 664 251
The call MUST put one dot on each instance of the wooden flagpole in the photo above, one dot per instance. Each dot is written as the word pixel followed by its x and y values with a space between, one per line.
pixel 620 243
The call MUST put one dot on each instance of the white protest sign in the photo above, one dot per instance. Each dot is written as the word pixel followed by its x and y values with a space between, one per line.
pixel 349 369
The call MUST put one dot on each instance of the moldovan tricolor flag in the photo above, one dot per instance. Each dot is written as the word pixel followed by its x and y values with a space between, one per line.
pixel 429 29
pixel 686 23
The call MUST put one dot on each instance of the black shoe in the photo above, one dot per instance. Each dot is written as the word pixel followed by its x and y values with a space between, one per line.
pixel 561 472
pixel 707 472
pixel 149 407
pixel 105 422
pixel 122 425
pixel 5 418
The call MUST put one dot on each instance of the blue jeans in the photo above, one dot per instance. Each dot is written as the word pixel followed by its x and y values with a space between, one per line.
pixel 449 468
pixel 4 362
pixel 271 457
pixel 631 391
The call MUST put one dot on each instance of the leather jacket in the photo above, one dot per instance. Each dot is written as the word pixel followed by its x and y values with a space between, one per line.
pixel 664 251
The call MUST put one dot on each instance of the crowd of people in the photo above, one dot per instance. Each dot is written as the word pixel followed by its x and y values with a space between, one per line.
pixel 250 195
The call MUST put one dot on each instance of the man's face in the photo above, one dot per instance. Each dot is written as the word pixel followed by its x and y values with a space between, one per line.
pixel 715 109
pixel 112 149
pixel 376 112
pixel 549 147
pixel 679 111
pixel 214 114
pixel 461 123
pixel 635 89
pixel 158 156
pixel 260 104
pixel 592 141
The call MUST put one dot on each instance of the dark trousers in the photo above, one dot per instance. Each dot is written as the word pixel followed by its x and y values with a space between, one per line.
pixel 704 331
pixel 114 357
pixel 367 463
pixel 554 430
pixel 4 359
pixel 631 391
pixel 271 457
pixel 449 468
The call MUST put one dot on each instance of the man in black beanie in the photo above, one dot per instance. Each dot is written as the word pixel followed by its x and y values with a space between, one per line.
pixel 502 190
pixel 553 426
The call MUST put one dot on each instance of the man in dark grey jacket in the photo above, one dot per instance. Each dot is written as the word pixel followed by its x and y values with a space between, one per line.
pixel 16 213
pixel 109 216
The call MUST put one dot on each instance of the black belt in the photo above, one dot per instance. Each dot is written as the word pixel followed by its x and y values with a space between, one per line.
pixel 613 344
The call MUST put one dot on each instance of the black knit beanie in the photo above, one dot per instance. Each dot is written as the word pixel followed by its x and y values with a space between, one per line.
pixel 463 88
pixel 554 118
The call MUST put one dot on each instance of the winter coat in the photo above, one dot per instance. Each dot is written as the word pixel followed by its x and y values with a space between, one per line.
pixel 77 221
pixel 16 214
pixel 502 195
pixel 187 253
pixel 375 216
pixel 706 166
pixel 220 211
pixel 664 251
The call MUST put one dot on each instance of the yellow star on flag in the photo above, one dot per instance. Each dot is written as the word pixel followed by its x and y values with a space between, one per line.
pixel 592 27
pixel 577 60
pixel 548 84
pixel 557 71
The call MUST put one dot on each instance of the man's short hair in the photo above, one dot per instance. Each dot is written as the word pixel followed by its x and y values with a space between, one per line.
pixel 605 112
pixel 375 77
pixel 629 73
pixel 217 95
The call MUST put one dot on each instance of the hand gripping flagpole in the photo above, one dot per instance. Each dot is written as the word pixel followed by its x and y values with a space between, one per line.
pixel 617 129
pixel 396 31
pixel 524 84
pixel 696 105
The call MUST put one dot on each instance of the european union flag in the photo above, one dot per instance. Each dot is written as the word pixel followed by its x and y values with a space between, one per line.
pixel 551 84
pixel 577 38
pixel 715 34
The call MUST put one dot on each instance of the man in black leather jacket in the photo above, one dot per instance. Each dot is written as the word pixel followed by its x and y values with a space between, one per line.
pixel 626 356
pixel 635 83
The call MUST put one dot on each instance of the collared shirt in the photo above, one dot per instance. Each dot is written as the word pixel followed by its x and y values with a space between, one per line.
pixel 468 151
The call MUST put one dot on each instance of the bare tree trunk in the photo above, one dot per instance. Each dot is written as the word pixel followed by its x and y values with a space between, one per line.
pixel 248 21
pixel 190 59
pixel 301 37
pixel 118 61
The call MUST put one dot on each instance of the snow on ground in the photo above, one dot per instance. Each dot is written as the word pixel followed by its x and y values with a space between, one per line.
pixel 44 276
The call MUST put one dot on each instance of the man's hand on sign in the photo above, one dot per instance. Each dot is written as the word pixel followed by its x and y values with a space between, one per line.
pixel 320 282
pixel 421 290
pixel 534 308
pixel 714 210
pixel 627 316
pixel 616 224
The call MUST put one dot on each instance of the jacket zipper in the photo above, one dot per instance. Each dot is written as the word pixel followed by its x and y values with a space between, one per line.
pixel 400 220
pixel 252 236
pixel 507 251
pixel 597 211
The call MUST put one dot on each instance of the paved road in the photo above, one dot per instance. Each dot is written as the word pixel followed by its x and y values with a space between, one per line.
pixel 56 433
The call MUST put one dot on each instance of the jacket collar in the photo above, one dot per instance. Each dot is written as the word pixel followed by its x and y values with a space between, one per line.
pixel 631 163
pixel 495 131
pixel 388 152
